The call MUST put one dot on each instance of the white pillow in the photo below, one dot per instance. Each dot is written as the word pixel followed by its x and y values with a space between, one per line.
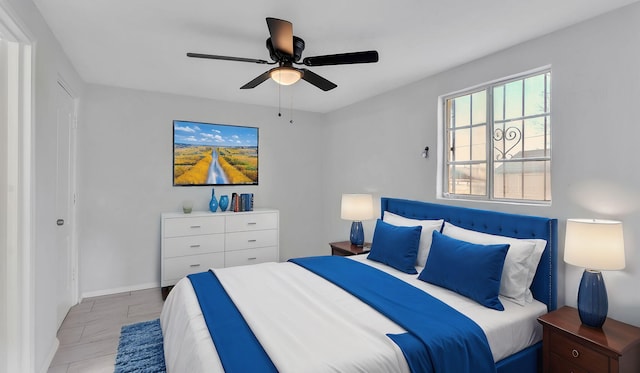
pixel 534 260
pixel 428 226
pixel 515 272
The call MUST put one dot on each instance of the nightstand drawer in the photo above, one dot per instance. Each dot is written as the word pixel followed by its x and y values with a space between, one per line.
pixel 568 349
pixel 560 365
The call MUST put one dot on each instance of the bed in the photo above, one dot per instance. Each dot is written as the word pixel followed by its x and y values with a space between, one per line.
pixel 307 323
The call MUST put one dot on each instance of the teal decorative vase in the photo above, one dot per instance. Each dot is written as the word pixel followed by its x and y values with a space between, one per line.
pixel 213 204
pixel 224 202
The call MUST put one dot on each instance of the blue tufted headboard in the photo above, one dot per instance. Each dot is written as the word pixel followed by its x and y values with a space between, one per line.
pixel 544 287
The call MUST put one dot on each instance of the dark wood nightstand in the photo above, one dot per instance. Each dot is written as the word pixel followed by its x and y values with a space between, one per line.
pixel 345 248
pixel 569 346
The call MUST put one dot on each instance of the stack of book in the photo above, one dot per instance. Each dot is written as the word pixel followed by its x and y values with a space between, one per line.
pixel 241 202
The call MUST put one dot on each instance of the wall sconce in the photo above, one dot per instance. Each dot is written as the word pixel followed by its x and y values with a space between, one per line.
pixel 425 152
pixel 594 245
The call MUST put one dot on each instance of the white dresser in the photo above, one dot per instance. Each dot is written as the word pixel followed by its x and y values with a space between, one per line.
pixel 201 240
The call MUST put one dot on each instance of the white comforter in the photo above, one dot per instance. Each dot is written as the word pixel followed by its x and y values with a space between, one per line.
pixel 307 324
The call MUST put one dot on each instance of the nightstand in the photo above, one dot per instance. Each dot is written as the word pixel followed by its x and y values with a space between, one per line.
pixel 569 346
pixel 345 248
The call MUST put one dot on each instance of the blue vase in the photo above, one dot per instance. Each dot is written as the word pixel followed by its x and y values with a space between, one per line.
pixel 224 202
pixel 357 234
pixel 592 299
pixel 213 204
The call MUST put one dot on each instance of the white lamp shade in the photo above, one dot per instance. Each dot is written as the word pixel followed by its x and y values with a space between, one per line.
pixel 594 244
pixel 357 207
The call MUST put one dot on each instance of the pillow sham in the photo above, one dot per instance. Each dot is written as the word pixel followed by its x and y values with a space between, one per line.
pixel 469 269
pixel 428 226
pixel 515 273
pixel 395 246
pixel 534 260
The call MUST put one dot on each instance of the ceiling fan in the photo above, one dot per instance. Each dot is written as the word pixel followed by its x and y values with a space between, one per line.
pixel 285 50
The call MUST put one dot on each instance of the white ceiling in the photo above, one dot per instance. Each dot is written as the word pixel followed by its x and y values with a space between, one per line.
pixel 141 44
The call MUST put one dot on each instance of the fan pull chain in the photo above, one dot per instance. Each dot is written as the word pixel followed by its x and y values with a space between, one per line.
pixel 291 110
pixel 279 105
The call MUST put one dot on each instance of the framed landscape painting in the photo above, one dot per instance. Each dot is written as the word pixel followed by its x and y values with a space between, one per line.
pixel 206 154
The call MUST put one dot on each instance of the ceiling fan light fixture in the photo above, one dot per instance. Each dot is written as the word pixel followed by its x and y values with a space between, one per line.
pixel 285 49
pixel 285 75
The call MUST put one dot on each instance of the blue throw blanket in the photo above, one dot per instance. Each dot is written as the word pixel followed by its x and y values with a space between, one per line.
pixel 439 338
pixel 237 346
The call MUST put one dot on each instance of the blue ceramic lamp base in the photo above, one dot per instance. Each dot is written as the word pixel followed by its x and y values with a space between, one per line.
pixel 592 299
pixel 357 234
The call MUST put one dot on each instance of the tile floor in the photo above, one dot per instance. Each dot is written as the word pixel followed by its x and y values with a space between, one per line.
pixel 90 333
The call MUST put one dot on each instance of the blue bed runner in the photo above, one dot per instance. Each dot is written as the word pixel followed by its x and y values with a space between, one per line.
pixel 439 338
pixel 237 346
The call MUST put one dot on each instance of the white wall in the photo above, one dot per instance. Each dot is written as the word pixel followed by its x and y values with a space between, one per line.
pixel 51 64
pixel 125 179
pixel 595 129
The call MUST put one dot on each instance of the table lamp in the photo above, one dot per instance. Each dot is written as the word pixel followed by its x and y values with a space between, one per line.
pixel 357 207
pixel 595 245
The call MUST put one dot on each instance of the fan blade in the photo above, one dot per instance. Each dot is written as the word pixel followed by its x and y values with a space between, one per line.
pixel 317 80
pixel 226 58
pixel 281 35
pixel 257 81
pixel 342 59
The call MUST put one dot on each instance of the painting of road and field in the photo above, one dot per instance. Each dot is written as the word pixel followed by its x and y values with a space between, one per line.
pixel 214 154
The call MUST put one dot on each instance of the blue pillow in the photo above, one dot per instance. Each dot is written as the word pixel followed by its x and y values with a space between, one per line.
pixel 396 246
pixel 469 269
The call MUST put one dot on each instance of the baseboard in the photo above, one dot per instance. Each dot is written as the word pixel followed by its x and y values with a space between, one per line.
pixel 52 353
pixel 124 289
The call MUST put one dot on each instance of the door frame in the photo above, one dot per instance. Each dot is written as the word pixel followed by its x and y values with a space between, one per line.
pixel 17 175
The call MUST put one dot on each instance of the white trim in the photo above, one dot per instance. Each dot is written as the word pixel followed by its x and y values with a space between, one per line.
pixel 52 353
pixel 18 297
pixel 443 146
pixel 124 289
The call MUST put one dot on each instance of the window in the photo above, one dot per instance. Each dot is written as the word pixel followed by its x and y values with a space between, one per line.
pixel 498 141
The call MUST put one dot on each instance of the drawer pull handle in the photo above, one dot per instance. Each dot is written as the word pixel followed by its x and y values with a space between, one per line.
pixel 252 223
pixel 194 246
pixel 194 265
pixel 252 240
pixel 195 226
pixel 254 258
pixel 575 353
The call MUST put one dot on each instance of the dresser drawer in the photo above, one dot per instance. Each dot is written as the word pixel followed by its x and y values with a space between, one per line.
pixel 568 349
pixel 250 256
pixel 177 268
pixel 192 245
pixel 252 222
pixel 197 225
pixel 250 240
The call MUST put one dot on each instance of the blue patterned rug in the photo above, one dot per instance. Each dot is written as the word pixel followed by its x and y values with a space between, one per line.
pixel 140 349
